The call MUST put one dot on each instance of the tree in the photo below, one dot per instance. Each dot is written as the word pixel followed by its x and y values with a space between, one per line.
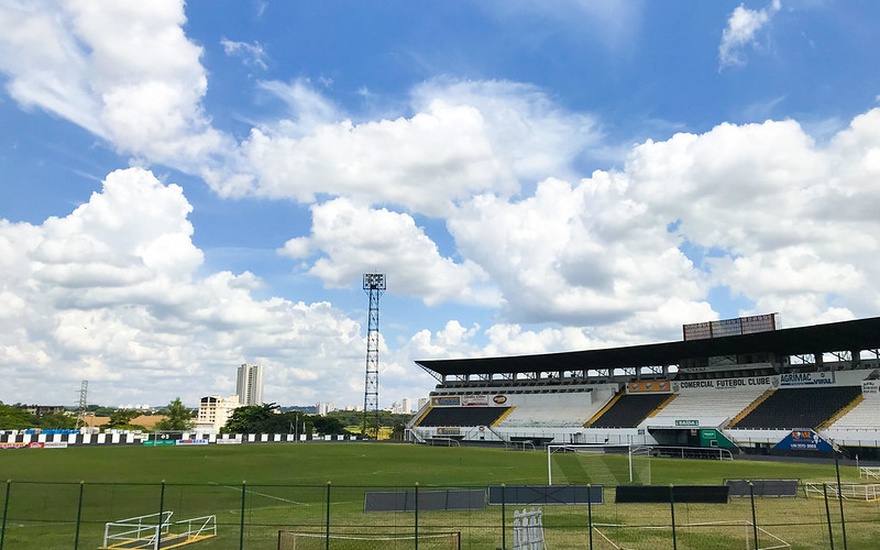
pixel 328 425
pixel 120 419
pixel 256 419
pixel 13 418
pixel 63 421
pixel 177 418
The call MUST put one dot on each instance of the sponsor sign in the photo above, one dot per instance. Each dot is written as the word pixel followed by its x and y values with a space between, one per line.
pixel 35 445
pixel 448 431
pixel 804 440
pixel 191 442
pixel 13 445
pixel 55 445
pixel 871 388
pixel 475 400
pixel 649 386
pixel 233 441
pixel 157 442
pixel 446 401
pixel 499 399
pixel 725 384
pixel 807 379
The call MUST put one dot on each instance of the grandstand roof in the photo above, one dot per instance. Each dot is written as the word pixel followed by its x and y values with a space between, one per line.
pixel 855 335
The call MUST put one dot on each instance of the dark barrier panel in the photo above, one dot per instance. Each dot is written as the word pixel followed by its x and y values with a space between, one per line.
pixel 404 501
pixel 522 495
pixel 763 487
pixel 710 494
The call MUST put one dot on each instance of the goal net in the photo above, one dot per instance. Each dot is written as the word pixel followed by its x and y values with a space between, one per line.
pixel 290 540
pixel 598 464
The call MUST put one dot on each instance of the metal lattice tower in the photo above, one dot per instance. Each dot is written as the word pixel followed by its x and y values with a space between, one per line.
pixel 374 285
pixel 83 404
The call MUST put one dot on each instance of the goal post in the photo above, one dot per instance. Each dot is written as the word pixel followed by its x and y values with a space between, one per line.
pixel 292 540
pixel 598 464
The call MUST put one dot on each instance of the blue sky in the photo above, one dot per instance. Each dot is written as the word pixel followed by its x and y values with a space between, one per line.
pixel 188 187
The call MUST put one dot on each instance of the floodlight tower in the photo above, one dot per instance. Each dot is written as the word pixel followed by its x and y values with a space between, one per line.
pixel 83 404
pixel 374 286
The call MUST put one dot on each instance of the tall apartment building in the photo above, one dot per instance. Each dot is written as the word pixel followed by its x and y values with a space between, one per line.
pixel 249 386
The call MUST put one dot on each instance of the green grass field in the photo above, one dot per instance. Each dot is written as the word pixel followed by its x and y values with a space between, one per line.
pixel 299 486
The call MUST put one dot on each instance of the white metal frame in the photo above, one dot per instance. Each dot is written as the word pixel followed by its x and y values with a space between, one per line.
pixel 586 448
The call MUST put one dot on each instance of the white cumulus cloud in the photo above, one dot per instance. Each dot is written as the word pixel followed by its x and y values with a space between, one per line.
pixel 743 25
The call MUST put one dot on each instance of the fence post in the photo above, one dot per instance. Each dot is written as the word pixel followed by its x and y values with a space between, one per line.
pixel 754 515
pixel 327 521
pixel 241 525
pixel 590 513
pixel 161 513
pixel 672 512
pixel 417 516
pixel 828 515
pixel 840 499
pixel 79 508
pixel 5 510
pixel 503 518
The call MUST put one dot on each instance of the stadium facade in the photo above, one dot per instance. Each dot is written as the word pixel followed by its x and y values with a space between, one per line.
pixel 741 384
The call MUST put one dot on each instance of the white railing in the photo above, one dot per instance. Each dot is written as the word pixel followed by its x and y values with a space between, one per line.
pixel 137 528
pixel 149 529
pixel 869 492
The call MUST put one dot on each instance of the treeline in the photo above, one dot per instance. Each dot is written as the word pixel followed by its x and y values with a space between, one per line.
pixel 265 418
pixel 15 418
pixel 268 418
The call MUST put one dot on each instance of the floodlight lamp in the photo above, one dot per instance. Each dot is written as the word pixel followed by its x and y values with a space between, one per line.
pixel 374 281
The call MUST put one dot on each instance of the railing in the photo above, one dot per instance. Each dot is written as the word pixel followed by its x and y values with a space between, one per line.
pixel 715 453
pixel 137 528
pixel 869 492
pixel 208 527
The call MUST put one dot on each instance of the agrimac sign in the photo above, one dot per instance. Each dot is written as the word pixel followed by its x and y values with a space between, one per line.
pixel 807 379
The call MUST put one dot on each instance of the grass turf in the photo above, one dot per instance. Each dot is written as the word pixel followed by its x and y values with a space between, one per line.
pixel 287 487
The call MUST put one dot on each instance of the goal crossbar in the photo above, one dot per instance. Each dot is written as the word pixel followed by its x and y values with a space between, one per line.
pixel 587 448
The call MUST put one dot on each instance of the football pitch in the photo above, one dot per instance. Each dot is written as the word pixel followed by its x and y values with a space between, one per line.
pixel 63 498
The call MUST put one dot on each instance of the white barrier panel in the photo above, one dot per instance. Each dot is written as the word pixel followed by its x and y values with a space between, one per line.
pixel 528 530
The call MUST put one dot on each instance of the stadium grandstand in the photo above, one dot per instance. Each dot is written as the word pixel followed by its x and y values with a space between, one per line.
pixel 741 384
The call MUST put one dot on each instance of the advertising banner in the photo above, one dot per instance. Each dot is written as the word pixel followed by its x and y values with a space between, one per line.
pixel 157 442
pixel 446 401
pixel 725 384
pixel 804 440
pixel 871 389
pixel 789 379
pixel 448 431
pixel 649 386
pixel 18 445
pixel 475 400
pixel 191 442
pixel 230 441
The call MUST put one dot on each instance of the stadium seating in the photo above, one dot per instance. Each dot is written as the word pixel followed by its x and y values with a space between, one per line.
pixel 462 416
pixel 557 409
pixel 629 410
pixel 725 404
pixel 799 407
pixel 864 415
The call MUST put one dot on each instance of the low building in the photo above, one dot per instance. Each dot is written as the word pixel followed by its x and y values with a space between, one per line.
pixel 214 412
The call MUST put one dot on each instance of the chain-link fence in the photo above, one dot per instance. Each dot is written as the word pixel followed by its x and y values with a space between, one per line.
pixel 229 516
